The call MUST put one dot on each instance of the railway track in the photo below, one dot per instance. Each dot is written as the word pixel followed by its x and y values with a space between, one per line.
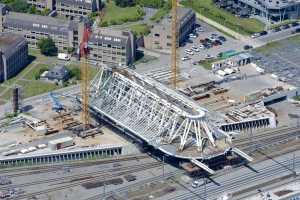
pixel 95 177
pixel 267 138
pixel 64 179
pixel 56 167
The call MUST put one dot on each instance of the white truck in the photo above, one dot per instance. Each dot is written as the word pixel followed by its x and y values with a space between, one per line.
pixel 63 56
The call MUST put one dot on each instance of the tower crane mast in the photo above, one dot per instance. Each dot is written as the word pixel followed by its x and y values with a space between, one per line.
pixel 84 51
pixel 174 53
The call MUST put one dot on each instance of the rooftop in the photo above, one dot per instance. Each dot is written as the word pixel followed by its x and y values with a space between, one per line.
pixel 110 36
pixel 9 42
pixel 37 22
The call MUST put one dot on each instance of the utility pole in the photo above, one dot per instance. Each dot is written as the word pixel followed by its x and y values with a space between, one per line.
pixel 205 192
pixel 104 191
pixel 163 165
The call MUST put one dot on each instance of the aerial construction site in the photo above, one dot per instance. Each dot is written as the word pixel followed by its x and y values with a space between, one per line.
pixel 160 130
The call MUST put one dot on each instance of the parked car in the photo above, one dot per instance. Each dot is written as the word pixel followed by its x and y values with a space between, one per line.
pixel 295 24
pixel 197 183
pixel 247 47
pixel 208 56
pixel 191 35
pixel 222 38
pixel 185 58
pixel 286 26
pixel 276 30
pixel 255 35
pixel 297 30
pixel 263 33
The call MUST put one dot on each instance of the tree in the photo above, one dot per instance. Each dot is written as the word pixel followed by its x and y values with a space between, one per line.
pixel 47 47
pixel 19 6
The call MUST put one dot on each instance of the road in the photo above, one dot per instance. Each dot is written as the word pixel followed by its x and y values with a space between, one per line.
pixel 241 178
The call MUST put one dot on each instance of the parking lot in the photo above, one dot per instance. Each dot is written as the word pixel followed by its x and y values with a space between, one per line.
pixel 282 60
pixel 207 43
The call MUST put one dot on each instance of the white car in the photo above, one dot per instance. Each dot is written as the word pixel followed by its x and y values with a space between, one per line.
pixel 188 50
pixel 255 35
pixel 201 46
pixel 192 36
pixel 196 49
pixel 190 53
pixel 197 183
pixel 185 58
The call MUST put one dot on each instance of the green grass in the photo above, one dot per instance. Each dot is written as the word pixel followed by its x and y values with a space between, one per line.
pixel 297 98
pixel 115 15
pixel 266 48
pixel 32 88
pixel 140 29
pixel 288 21
pixel 294 39
pixel 34 70
pixel 208 9
pixel 160 13
pixel 207 63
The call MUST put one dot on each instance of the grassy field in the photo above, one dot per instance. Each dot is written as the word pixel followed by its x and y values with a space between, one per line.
pixel 35 70
pixel 115 15
pixel 35 87
pixel 160 13
pixel 208 9
pixel 140 29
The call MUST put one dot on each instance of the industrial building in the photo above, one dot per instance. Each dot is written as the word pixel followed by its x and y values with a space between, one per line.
pixel 13 55
pixel 160 35
pixel 270 10
pixel 76 8
pixel 112 47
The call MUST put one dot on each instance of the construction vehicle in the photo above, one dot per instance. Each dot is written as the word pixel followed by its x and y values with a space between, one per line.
pixel 56 104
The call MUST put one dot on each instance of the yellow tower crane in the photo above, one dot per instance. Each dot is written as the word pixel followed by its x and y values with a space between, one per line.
pixel 174 54
pixel 85 117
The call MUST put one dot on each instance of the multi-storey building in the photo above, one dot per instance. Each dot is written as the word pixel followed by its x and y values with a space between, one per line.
pixel 35 27
pixel 112 47
pixel 273 10
pixel 77 8
pixel 42 4
pixel 161 34
pixel 13 55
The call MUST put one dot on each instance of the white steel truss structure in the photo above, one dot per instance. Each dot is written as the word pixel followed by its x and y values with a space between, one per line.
pixel 152 111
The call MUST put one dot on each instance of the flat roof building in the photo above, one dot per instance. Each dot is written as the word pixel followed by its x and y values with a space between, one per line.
pixel 77 8
pixel 273 10
pixel 108 46
pixel 35 27
pixel 13 55
pixel 112 47
pixel 160 36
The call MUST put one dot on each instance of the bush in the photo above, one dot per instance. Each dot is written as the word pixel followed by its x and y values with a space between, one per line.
pixel 40 72
pixel 47 47
pixel 75 73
